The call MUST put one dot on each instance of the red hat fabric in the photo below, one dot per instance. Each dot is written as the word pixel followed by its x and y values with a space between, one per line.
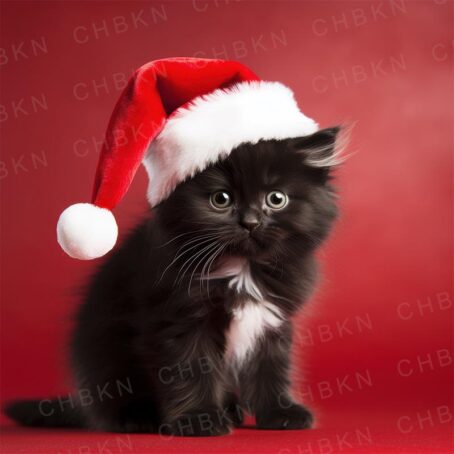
pixel 176 116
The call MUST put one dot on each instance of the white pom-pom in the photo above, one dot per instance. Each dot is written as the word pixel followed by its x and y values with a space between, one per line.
pixel 85 231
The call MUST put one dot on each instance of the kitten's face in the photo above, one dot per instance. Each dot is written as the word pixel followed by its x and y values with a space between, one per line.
pixel 256 201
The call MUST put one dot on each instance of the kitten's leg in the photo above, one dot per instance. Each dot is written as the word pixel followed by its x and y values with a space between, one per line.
pixel 233 407
pixel 265 384
pixel 189 381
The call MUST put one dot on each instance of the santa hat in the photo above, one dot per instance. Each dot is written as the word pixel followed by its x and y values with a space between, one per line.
pixel 176 117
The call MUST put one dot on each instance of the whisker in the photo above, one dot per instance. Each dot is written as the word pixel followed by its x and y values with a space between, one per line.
pixel 183 234
pixel 217 254
pixel 178 255
pixel 187 264
pixel 197 238
pixel 208 254
pixel 213 255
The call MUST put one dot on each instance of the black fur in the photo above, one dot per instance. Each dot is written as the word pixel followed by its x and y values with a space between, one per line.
pixel 149 345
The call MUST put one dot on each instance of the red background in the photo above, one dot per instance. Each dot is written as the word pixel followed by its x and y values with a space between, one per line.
pixel 385 65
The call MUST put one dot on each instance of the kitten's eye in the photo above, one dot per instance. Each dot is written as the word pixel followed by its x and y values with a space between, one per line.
pixel 221 200
pixel 276 200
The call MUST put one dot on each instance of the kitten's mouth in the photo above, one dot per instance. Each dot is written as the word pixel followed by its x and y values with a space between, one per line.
pixel 249 243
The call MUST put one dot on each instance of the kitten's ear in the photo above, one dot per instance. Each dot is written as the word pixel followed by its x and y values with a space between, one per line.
pixel 322 149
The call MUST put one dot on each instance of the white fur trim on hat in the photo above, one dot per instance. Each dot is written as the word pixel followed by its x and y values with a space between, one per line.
pixel 85 231
pixel 214 124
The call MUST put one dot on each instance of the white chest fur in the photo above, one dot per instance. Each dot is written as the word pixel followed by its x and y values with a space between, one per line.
pixel 241 279
pixel 250 320
pixel 248 324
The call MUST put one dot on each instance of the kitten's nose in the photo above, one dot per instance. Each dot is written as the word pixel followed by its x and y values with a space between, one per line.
pixel 250 222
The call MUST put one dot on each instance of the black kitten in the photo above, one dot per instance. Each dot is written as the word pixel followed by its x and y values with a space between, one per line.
pixel 188 322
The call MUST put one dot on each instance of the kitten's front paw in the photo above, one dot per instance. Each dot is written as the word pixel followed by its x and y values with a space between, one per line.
pixel 293 417
pixel 203 424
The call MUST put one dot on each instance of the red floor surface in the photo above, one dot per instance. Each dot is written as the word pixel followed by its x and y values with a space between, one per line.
pixel 364 427
pixel 375 435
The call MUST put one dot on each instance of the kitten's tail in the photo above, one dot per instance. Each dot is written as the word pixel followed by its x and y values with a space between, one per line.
pixel 44 413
